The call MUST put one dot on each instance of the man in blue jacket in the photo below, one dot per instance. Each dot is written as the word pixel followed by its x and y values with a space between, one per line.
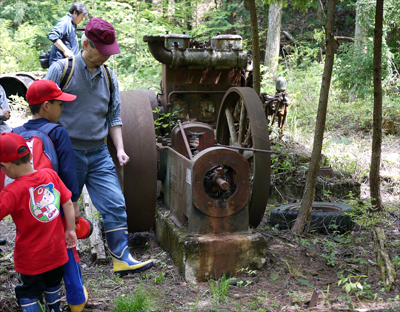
pixel 63 35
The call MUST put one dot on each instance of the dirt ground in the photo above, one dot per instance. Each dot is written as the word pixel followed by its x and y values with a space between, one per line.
pixel 295 268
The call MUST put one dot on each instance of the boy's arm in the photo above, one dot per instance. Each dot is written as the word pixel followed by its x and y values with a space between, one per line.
pixel 66 161
pixel 69 214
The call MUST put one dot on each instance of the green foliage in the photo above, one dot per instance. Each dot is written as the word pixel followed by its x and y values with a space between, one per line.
pixel 362 215
pixel 165 122
pixel 138 301
pixel 159 279
pixel 352 284
pixel 353 69
pixel 219 289
pixel 16 51
pixel 226 18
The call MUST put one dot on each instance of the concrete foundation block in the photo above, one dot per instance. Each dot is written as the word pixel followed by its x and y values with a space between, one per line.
pixel 204 257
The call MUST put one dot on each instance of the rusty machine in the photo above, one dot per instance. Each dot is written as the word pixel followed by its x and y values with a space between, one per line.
pixel 214 169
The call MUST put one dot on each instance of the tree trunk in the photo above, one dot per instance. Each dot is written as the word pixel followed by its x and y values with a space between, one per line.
pixel 273 37
pixel 320 11
pixel 359 32
pixel 302 223
pixel 382 257
pixel 255 46
pixel 374 182
pixel 359 42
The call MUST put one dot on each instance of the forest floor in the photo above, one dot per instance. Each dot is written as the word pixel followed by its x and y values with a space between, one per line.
pixel 295 267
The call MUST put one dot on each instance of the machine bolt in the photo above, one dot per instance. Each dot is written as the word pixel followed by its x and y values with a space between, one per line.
pixel 232 204
pixel 209 204
pixel 233 162
pixel 243 182
pixel 210 163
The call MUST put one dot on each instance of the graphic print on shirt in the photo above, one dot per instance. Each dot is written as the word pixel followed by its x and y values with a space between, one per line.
pixel 44 202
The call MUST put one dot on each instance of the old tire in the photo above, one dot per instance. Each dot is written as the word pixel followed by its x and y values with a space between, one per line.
pixel 325 217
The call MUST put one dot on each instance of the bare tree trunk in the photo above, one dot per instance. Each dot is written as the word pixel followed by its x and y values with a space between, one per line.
pixel 302 223
pixel 273 37
pixel 382 257
pixel 255 46
pixel 359 32
pixel 359 42
pixel 320 11
pixel 374 182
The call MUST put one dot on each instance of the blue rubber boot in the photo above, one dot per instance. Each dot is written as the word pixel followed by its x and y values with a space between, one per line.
pixel 30 305
pixel 123 262
pixel 52 295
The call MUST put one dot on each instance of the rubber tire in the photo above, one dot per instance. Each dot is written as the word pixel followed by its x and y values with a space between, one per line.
pixel 321 221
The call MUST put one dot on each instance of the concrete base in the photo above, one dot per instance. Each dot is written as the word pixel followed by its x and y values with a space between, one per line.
pixel 204 257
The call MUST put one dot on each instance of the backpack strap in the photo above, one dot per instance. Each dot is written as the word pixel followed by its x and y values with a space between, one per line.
pixel 68 71
pixel 109 80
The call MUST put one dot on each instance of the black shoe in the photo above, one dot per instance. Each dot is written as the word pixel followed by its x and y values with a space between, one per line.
pixel 2 241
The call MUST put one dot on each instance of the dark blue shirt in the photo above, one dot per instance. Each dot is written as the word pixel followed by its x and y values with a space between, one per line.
pixel 65 30
pixel 65 154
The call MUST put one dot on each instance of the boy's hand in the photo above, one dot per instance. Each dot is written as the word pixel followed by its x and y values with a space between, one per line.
pixel 70 239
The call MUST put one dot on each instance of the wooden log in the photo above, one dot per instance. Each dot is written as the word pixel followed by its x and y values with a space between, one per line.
pixel 97 251
pixel 385 264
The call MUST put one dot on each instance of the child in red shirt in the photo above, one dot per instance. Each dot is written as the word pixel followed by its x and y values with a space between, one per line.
pixel 34 200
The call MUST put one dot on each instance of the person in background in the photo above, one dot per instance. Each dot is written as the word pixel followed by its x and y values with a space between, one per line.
pixel 63 35
pixel 34 201
pixel 94 114
pixel 4 111
pixel 4 115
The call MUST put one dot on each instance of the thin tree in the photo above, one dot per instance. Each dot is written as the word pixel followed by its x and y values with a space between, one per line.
pixel 255 46
pixel 302 224
pixel 273 37
pixel 375 192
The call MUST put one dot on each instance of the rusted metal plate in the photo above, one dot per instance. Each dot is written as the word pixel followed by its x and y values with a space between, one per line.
pixel 175 176
pixel 257 123
pixel 139 177
pixel 204 163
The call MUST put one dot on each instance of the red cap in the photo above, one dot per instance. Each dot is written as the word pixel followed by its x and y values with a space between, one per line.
pixel 41 91
pixel 102 34
pixel 9 145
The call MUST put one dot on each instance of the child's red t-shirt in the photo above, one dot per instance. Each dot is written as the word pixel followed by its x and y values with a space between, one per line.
pixel 34 202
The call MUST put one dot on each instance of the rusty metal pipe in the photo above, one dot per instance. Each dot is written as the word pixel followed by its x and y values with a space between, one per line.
pixel 185 140
pixel 248 149
pixel 222 184
pixel 158 49
pixel 191 92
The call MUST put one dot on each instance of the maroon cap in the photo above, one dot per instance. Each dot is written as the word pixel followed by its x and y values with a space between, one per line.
pixel 41 91
pixel 9 145
pixel 102 34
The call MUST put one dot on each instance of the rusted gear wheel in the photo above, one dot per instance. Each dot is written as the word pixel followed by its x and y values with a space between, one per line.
pixel 138 178
pixel 242 123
